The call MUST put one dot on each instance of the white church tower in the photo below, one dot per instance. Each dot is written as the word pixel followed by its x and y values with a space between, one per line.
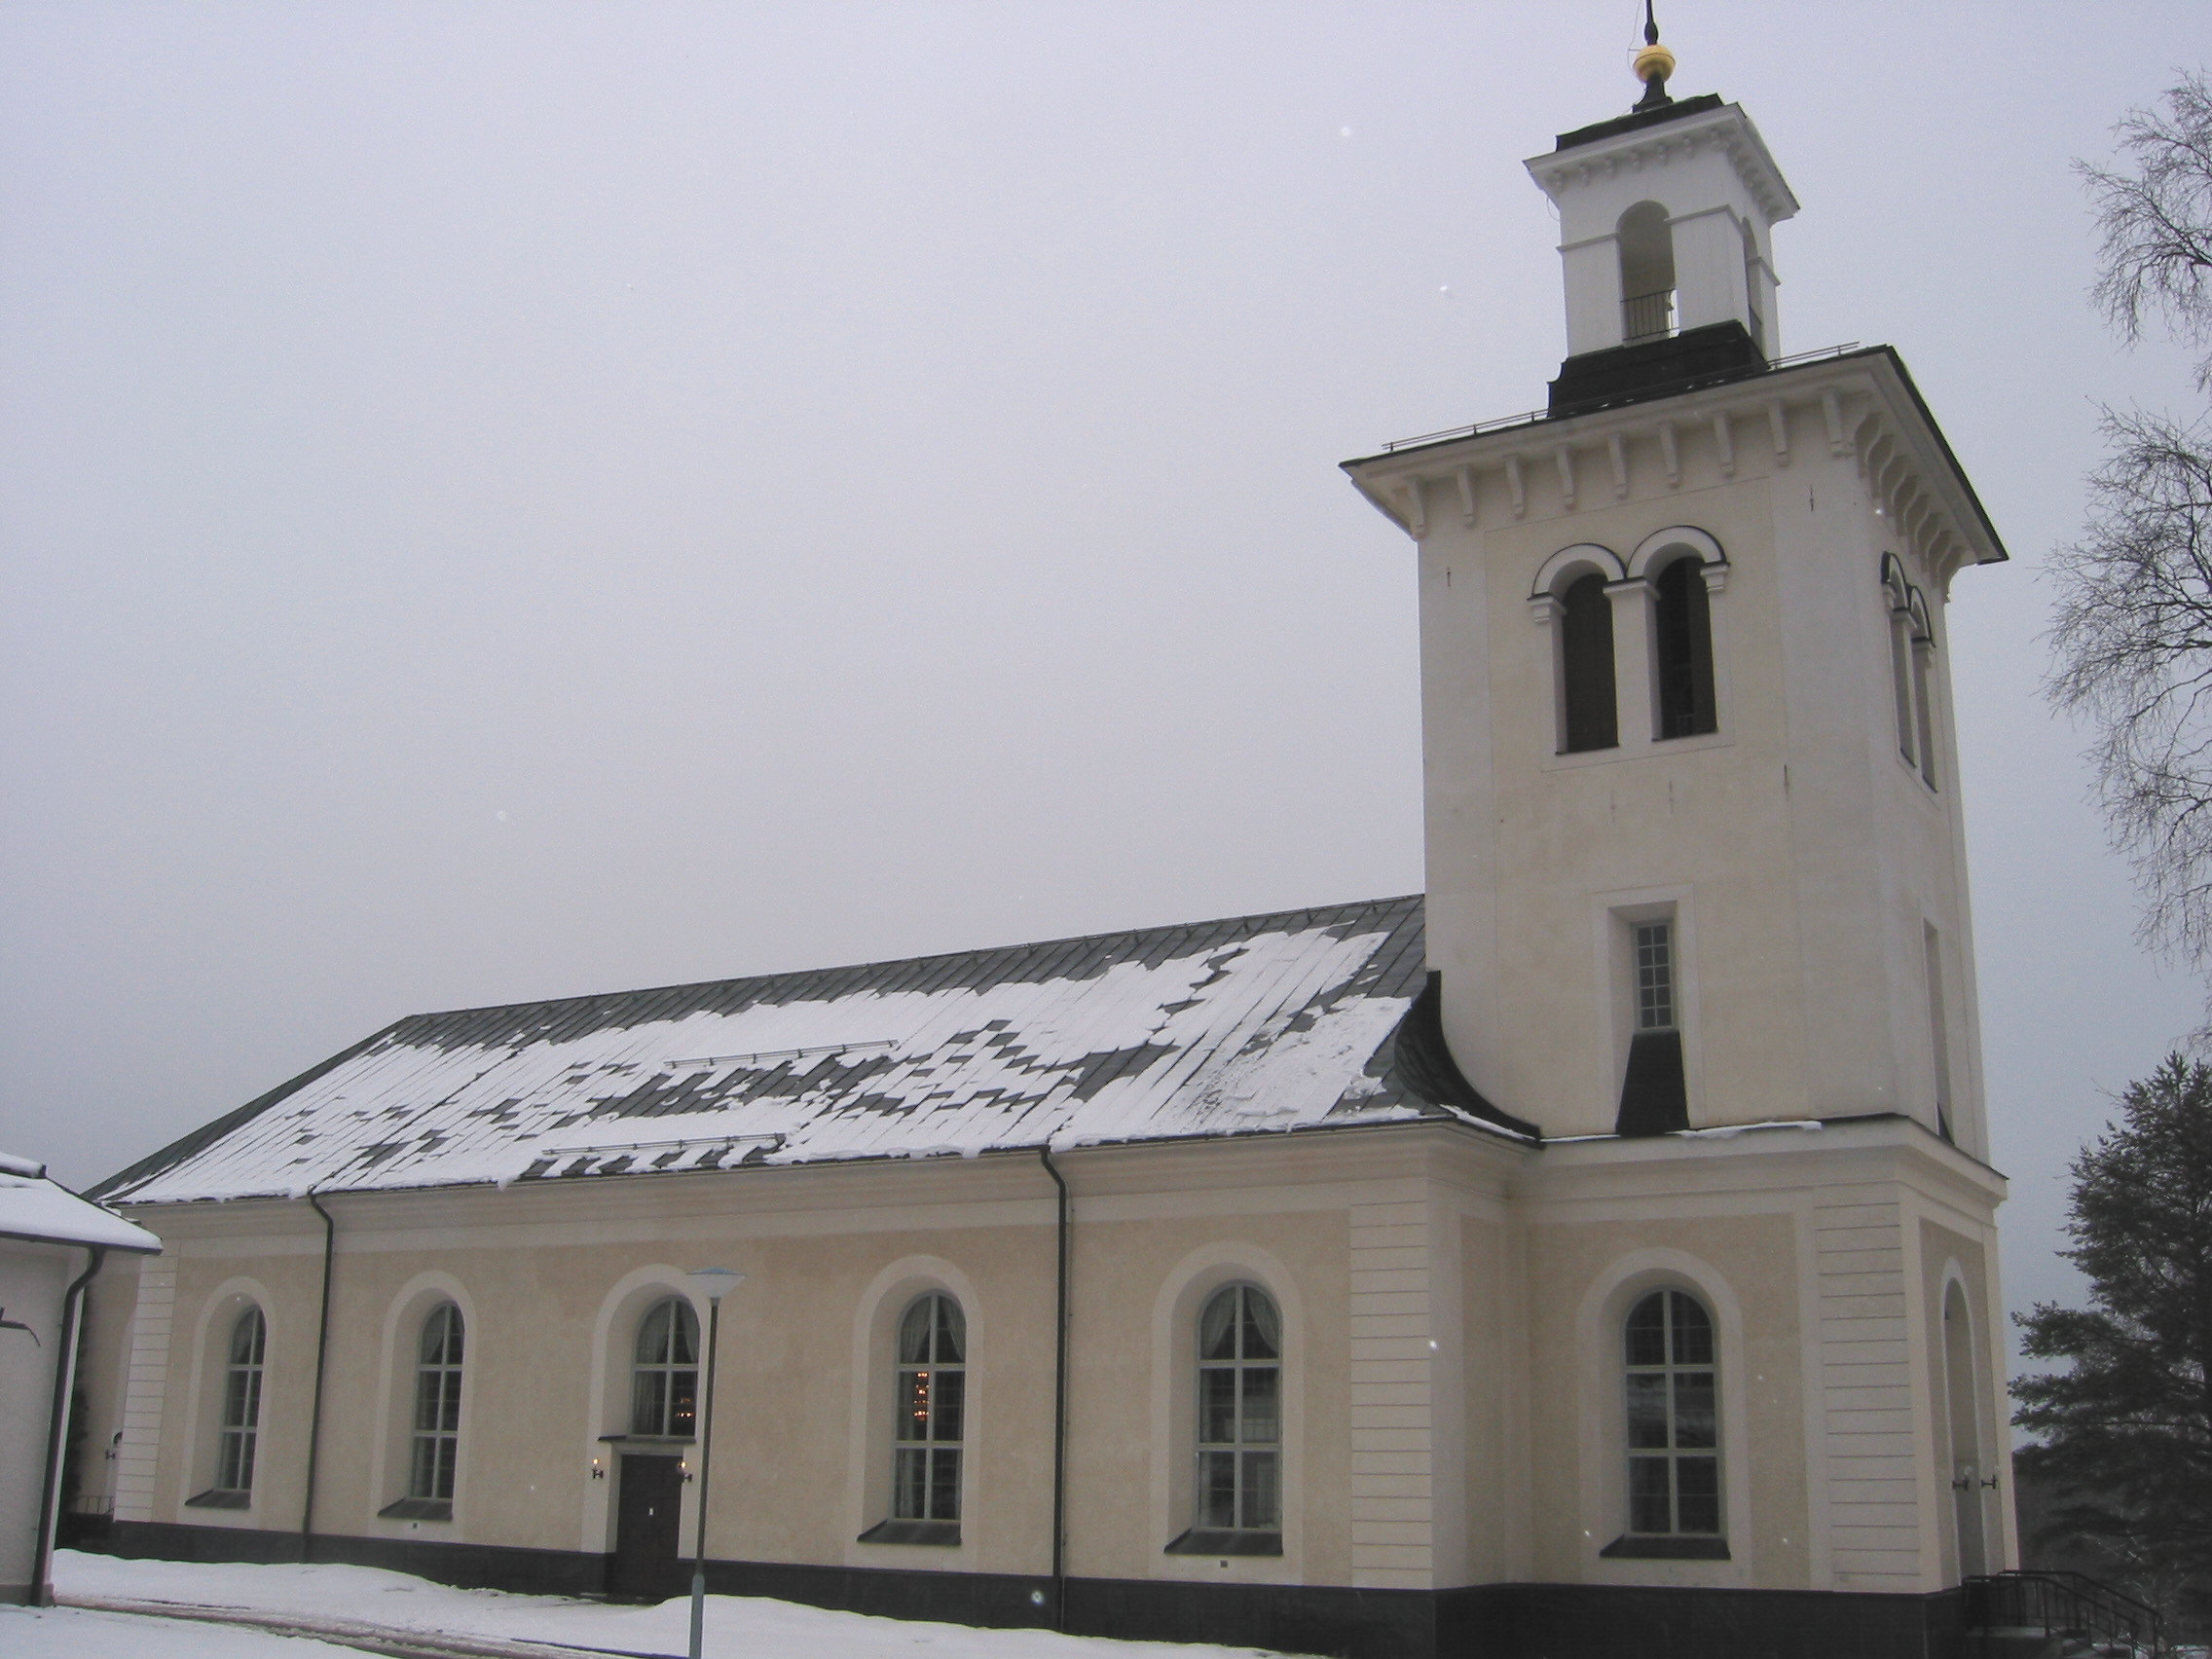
pixel 1697 909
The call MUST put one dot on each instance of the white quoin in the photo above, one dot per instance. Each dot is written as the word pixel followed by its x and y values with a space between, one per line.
pixel 1667 226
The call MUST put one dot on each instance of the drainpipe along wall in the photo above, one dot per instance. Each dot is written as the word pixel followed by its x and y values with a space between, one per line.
pixel 1059 1405
pixel 321 1358
pixel 58 1429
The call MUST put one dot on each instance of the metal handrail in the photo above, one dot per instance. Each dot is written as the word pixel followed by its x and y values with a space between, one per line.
pixel 1537 417
pixel 1647 317
pixel 2060 1601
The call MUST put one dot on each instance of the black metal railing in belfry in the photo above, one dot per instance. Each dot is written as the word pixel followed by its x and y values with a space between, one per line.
pixel 1647 317
pixel 2064 1603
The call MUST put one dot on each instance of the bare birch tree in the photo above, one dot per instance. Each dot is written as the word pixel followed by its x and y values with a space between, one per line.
pixel 2132 635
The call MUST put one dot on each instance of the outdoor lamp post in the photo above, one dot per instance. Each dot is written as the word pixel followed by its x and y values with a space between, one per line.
pixel 712 1283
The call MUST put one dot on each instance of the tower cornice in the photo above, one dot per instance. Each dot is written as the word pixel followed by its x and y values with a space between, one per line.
pixel 1859 404
pixel 1727 129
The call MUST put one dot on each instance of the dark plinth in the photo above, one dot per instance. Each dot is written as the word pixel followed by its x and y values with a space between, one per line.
pixel 1656 368
pixel 1488 1621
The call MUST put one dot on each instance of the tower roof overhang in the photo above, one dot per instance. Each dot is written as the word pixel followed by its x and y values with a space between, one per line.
pixel 1867 409
pixel 1634 142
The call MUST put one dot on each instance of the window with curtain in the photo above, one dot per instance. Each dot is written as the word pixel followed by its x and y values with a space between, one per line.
pixel 664 1376
pixel 437 1407
pixel 1240 1441
pixel 931 1400
pixel 241 1404
pixel 1673 1423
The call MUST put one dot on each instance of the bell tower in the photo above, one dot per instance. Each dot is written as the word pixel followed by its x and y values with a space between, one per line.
pixel 1699 945
pixel 1695 857
pixel 1701 967
pixel 1667 218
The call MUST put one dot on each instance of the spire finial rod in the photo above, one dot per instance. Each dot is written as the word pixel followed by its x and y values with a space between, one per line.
pixel 1653 64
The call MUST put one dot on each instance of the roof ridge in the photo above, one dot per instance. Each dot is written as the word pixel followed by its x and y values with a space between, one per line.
pixel 1308 916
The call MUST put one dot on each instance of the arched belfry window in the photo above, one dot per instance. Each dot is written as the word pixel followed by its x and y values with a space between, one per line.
pixel 1673 1419
pixel 1682 650
pixel 664 1376
pixel 1647 272
pixel 1912 654
pixel 1240 1438
pixel 933 1398
pixel 1589 714
pixel 1923 686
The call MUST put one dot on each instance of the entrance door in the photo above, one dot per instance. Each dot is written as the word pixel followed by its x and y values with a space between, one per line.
pixel 647 1528
pixel 1966 1434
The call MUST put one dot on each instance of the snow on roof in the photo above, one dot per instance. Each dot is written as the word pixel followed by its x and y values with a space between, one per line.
pixel 1256 1024
pixel 44 1211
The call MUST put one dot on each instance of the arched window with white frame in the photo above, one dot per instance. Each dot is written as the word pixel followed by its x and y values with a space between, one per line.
pixel 932 1409
pixel 664 1372
pixel 435 1445
pixel 1240 1438
pixel 1671 1399
pixel 238 1423
pixel 241 1404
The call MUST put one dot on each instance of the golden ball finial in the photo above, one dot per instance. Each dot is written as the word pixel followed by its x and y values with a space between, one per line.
pixel 1653 62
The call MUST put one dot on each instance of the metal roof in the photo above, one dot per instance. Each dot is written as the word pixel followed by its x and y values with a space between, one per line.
pixel 1245 1025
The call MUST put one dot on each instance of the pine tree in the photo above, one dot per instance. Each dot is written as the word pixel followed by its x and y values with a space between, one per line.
pixel 2125 1435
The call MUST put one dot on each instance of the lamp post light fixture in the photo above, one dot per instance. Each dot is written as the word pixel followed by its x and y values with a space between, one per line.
pixel 712 1283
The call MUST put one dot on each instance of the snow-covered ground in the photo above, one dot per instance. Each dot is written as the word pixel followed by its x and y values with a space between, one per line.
pixel 75 1632
pixel 751 1626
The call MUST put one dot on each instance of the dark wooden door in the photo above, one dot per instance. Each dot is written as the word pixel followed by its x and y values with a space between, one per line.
pixel 647 1528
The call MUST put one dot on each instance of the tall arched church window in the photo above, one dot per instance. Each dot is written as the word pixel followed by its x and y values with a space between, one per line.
pixel 436 1439
pixel 933 1398
pixel 1673 1419
pixel 1683 650
pixel 664 1377
pixel 238 1434
pixel 1239 1439
pixel 1647 272
pixel 1586 667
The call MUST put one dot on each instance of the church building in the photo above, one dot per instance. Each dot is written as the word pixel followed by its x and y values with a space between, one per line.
pixel 1594 1254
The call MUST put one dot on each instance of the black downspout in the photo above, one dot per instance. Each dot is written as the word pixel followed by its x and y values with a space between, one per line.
pixel 57 1431
pixel 1059 1410
pixel 321 1353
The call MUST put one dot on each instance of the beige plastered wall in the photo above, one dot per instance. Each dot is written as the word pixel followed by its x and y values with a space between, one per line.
pixel 1451 1303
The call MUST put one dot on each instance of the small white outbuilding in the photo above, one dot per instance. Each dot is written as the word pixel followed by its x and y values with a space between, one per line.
pixel 52 1242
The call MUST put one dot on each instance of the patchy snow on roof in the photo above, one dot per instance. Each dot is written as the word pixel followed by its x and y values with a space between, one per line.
pixel 42 1210
pixel 1253 1025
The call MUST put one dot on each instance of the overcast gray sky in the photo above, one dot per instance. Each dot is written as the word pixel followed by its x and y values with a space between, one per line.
pixel 510 500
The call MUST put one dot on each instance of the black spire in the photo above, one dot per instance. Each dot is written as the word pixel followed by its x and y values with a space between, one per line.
pixel 1654 64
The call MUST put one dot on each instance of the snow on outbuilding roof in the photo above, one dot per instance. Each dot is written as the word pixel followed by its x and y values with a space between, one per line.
pixel 36 1207
pixel 1256 1024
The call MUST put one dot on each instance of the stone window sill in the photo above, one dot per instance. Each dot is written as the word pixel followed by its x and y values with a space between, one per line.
pixel 418 1509
pixel 1680 1547
pixel 945 1534
pixel 220 1501
pixel 1211 1541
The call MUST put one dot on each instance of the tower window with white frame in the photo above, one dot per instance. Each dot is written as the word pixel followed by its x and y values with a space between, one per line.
pixel 1654 946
